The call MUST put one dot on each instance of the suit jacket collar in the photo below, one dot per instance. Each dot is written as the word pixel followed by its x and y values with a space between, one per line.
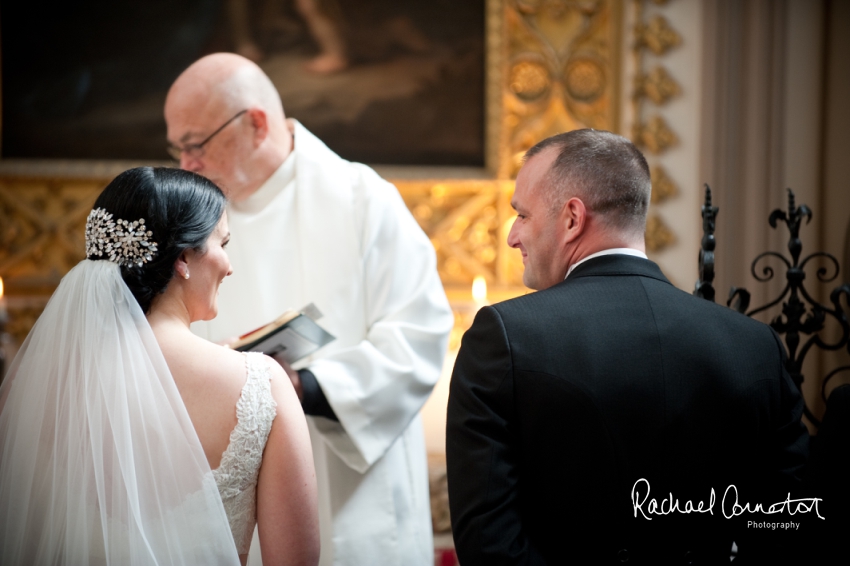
pixel 617 264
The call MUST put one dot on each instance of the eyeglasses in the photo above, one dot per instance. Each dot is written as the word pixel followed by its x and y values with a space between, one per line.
pixel 196 150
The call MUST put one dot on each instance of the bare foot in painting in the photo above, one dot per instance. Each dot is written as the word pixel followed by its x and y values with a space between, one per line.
pixel 326 64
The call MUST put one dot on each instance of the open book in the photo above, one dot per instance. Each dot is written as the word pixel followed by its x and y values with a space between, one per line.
pixel 293 335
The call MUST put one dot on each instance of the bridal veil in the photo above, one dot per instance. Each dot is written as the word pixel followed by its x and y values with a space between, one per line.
pixel 99 461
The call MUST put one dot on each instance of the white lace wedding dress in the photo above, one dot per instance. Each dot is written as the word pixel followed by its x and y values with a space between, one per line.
pixel 236 476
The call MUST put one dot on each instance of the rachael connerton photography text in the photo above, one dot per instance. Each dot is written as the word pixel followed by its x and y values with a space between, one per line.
pixel 730 505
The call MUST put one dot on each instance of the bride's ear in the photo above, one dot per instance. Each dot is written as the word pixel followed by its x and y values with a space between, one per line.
pixel 181 266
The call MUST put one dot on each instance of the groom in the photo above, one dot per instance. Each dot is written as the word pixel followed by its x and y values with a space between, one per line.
pixel 581 414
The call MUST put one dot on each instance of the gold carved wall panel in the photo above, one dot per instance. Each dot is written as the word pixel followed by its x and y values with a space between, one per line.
pixel 558 70
pixel 41 230
pixel 41 238
pixel 468 224
pixel 653 134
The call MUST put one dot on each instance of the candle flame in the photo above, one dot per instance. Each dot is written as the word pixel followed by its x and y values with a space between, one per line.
pixel 1 287
pixel 479 289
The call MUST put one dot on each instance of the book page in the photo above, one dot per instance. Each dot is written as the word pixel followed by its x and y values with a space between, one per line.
pixel 287 342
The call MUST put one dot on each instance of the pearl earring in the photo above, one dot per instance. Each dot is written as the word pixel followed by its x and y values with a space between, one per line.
pixel 186 275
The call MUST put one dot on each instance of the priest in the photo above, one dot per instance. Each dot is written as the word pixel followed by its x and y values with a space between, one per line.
pixel 310 227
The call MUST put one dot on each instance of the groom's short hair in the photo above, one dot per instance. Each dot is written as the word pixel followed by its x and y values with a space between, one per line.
pixel 606 171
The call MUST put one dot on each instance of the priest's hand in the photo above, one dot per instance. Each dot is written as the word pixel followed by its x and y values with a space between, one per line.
pixel 293 376
pixel 313 399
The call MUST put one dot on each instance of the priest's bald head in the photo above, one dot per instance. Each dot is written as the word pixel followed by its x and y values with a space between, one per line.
pixel 225 121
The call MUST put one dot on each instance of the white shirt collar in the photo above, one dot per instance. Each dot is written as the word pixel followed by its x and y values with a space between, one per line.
pixel 611 251
pixel 279 180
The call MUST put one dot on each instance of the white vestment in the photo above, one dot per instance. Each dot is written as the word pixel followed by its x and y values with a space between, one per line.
pixel 326 231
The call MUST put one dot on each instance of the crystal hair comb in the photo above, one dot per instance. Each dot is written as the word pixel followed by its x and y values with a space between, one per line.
pixel 123 242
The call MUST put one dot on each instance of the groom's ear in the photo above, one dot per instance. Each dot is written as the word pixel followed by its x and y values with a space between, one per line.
pixel 573 219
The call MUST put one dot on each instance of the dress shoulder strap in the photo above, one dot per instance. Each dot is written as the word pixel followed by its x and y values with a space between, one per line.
pixel 256 407
pixel 255 413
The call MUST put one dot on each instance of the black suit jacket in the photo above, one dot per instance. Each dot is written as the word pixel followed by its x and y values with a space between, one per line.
pixel 562 400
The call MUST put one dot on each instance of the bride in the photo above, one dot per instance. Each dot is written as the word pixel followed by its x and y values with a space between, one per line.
pixel 126 439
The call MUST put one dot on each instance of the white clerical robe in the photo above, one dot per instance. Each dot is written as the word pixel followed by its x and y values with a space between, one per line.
pixel 331 232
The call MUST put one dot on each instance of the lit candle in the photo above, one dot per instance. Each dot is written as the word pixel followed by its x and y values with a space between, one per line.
pixel 479 291
pixel 2 304
pixel 4 318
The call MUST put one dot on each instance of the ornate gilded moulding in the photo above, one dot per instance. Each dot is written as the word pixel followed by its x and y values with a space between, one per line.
pixel 651 90
pixel 42 223
pixel 43 210
pixel 553 66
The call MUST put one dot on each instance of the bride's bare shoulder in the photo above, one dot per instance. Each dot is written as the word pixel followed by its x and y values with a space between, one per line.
pixel 192 358
pixel 217 360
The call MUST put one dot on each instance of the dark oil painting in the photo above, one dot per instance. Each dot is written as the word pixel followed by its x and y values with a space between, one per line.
pixel 380 81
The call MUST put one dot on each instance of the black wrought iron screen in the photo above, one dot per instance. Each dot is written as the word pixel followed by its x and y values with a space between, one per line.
pixel 802 318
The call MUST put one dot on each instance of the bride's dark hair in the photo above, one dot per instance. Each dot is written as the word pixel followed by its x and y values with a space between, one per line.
pixel 181 208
